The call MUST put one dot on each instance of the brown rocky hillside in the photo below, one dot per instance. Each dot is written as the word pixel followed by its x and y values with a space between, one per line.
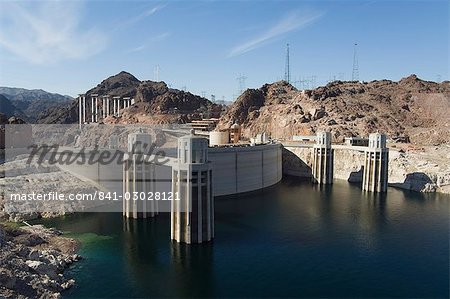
pixel 155 103
pixel 410 109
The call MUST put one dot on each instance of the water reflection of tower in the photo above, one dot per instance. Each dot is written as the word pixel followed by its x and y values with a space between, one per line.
pixel 193 266
pixel 343 208
pixel 141 251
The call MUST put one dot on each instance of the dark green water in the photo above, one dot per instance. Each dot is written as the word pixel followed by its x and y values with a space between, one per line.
pixel 293 240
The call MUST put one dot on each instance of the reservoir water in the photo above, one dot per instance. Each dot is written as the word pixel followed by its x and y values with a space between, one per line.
pixel 291 240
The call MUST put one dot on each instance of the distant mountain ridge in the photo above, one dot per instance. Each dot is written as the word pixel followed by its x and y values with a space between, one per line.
pixel 29 94
pixel 33 102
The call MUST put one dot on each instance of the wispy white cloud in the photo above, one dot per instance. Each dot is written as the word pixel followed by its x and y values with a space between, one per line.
pixel 153 10
pixel 291 22
pixel 47 32
pixel 137 49
pixel 145 14
pixel 150 41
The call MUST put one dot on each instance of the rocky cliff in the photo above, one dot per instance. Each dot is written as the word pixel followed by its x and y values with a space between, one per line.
pixel 408 110
pixel 155 103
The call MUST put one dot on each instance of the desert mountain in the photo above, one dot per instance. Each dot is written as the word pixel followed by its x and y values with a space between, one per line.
pixel 33 101
pixel 8 109
pixel 155 102
pixel 410 109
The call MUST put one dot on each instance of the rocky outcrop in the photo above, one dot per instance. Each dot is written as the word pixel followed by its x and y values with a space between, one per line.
pixel 21 177
pixel 33 260
pixel 123 85
pixel 425 169
pixel 155 102
pixel 147 91
pixel 410 110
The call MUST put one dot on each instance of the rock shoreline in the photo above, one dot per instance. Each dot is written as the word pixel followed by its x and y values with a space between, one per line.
pixel 33 260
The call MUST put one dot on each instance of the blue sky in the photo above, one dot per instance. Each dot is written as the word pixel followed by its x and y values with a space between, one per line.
pixel 70 46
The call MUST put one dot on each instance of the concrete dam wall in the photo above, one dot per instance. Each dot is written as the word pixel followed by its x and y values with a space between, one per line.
pixel 244 169
pixel 235 170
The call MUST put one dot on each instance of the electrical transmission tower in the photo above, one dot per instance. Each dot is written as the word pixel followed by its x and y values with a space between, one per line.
pixel 156 72
pixel 241 80
pixel 287 71
pixel 355 73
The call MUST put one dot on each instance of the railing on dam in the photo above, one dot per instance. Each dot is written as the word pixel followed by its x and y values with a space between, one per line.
pixel 296 144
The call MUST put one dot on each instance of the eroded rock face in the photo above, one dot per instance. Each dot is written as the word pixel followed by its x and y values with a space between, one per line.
pixel 123 84
pixel 149 90
pixel 26 178
pixel 411 110
pixel 154 103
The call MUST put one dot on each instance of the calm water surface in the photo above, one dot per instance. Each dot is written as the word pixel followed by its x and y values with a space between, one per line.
pixel 292 240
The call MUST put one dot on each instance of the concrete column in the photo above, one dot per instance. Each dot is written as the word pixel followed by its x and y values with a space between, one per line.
pixel 107 106
pixel 96 109
pixel 92 109
pixel 376 159
pixel 104 107
pixel 84 109
pixel 323 154
pixel 149 181
pixel 116 106
pixel 138 178
pixel 192 216
pixel 125 181
pixel 80 108
pixel 126 102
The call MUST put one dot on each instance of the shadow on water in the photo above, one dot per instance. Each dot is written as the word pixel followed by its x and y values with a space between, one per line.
pixel 197 260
